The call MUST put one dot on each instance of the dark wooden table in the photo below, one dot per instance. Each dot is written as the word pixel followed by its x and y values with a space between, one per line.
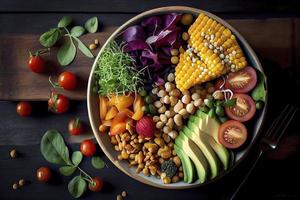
pixel 273 30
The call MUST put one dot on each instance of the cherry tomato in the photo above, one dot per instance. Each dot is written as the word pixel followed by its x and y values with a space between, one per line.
pixel 58 103
pixel 241 81
pixel 97 184
pixel 24 108
pixel 43 174
pixel 88 148
pixel 243 110
pixel 232 134
pixel 67 80
pixel 75 127
pixel 36 64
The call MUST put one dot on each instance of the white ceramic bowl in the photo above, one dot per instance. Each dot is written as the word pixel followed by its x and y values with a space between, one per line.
pixel 93 101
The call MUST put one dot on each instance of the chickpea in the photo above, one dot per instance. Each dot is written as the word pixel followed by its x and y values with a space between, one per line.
pixel 154 90
pixel 185 36
pixel 171 77
pixel 161 93
pixel 169 86
pixel 157 104
pixel 186 99
pixel 159 125
pixel 166 129
pixel 175 92
pixel 162 109
pixel 156 118
pixel 178 106
pixel 166 138
pixel 92 46
pixel 173 134
pixel 195 96
pixel 167 99
pixel 175 59
pixel 124 155
pixel 173 100
pixel 163 118
pixel 181 49
pixel 174 52
pixel 178 120
pixel 170 123
pixel 198 102
pixel 183 112
pixel 218 95
pixel 190 108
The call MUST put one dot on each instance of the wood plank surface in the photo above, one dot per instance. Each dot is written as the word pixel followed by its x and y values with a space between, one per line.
pixel 271 39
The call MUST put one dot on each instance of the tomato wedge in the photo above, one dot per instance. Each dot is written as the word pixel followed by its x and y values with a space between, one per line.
pixel 232 134
pixel 243 110
pixel 241 81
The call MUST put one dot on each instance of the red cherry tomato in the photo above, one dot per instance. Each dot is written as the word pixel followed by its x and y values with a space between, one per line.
pixel 36 64
pixel 232 134
pixel 97 184
pixel 43 174
pixel 24 108
pixel 88 148
pixel 67 80
pixel 243 110
pixel 58 103
pixel 242 81
pixel 75 127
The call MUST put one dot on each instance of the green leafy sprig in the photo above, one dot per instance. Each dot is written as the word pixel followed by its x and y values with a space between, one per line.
pixel 55 151
pixel 67 51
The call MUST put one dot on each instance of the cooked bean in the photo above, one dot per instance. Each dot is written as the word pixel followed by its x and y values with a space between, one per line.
pixel 175 92
pixel 183 112
pixel 161 93
pixel 162 109
pixel 157 104
pixel 163 118
pixel 159 125
pixel 198 102
pixel 170 123
pixel 173 100
pixel 159 142
pixel 178 106
pixel 190 108
pixel 173 134
pixel 186 99
pixel 166 129
pixel 195 96
pixel 178 120
pixel 177 161
pixel 156 118
pixel 167 99
pixel 169 86
pixel 167 180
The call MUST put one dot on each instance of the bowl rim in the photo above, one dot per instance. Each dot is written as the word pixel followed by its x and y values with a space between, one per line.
pixel 163 10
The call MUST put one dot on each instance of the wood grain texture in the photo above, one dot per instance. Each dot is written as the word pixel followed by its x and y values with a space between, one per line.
pixel 271 39
pixel 254 6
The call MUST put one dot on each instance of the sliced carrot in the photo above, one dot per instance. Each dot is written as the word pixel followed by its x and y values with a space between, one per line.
pixel 118 124
pixel 118 128
pixel 137 108
pixel 111 113
pixel 121 101
pixel 103 107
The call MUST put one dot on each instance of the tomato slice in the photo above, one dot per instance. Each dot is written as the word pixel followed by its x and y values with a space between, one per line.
pixel 241 81
pixel 232 134
pixel 243 110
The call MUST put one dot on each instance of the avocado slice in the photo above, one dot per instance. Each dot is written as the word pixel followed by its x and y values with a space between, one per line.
pixel 211 136
pixel 192 132
pixel 187 165
pixel 195 154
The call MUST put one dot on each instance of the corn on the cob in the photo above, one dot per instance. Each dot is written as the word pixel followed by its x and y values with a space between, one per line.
pixel 212 52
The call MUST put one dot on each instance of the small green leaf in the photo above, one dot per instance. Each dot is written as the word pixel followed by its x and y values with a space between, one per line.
pixel 229 103
pixel 259 92
pixel 97 162
pixel 67 170
pixel 77 186
pixel 77 31
pixel 66 53
pixel 83 48
pixel 49 38
pixel 76 158
pixel 64 22
pixel 91 25
pixel 53 148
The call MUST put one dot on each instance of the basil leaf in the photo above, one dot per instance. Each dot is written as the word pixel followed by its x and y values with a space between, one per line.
pixel 67 170
pixel 91 25
pixel 229 103
pixel 76 158
pixel 259 92
pixel 64 22
pixel 66 53
pixel 77 31
pixel 77 186
pixel 49 38
pixel 53 148
pixel 97 162
pixel 86 51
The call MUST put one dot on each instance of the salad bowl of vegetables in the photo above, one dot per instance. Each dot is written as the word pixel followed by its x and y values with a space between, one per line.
pixel 176 97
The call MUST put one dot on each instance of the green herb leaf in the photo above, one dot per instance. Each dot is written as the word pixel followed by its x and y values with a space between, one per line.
pixel 259 92
pixel 66 53
pixel 229 103
pixel 53 148
pixel 77 186
pixel 91 25
pixel 49 38
pixel 97 162
pixel 64 22
pixel 76 158
pixel 77 31
pixel 67 170
pixel 86 51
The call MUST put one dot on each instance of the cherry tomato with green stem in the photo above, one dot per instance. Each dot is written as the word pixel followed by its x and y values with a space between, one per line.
pixel 75 126
pixel 96 185
pixel 58 103
pixel 36 63
pixel 88 148
pixel 24 108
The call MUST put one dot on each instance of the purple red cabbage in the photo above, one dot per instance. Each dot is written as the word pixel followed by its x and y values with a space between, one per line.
pixel 149 43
